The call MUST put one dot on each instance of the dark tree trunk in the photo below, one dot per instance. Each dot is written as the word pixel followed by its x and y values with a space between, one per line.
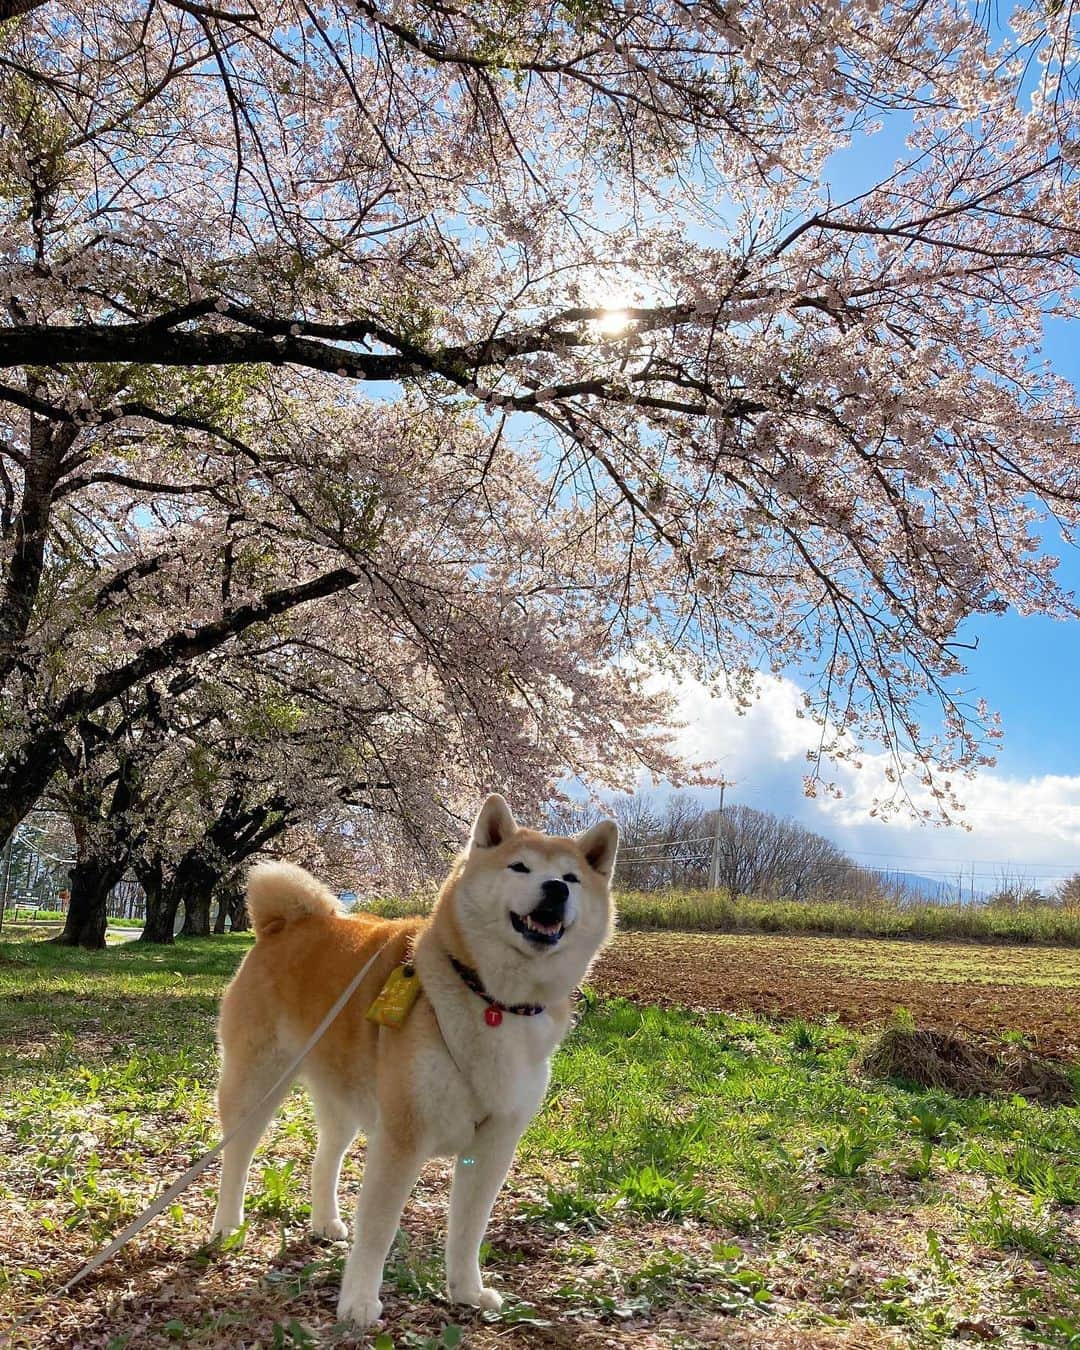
pixel 197 914
pixel 92 878
pixel 161 902
pixel 227 894
pixel 238 832
pixel 86 917
pixel 192 884
pixel 25 773
pixel 238 911
pixel 25 564
pixel 24 777
pixel 161 911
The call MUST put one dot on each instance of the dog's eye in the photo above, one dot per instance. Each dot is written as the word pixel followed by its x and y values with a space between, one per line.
pixel 570 876
pixel 518 867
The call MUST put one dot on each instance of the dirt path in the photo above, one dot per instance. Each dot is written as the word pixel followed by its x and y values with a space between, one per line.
pixel 1035 991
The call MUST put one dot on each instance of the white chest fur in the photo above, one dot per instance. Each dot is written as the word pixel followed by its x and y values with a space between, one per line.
pixel 503 1069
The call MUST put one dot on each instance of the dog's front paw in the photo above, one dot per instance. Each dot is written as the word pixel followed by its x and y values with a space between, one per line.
pixel 482 1296
pixel 333 1229
pixel 355 1308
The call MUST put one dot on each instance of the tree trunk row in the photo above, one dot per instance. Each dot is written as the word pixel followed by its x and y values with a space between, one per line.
pixel 209 868
pixel 194 884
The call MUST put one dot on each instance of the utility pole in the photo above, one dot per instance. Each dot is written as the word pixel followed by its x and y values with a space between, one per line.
pixel 714 860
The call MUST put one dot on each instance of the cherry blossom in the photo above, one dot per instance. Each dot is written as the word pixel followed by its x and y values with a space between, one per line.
pixel 489 328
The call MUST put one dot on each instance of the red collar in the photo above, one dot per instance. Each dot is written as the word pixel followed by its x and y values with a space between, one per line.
pixel 494 1013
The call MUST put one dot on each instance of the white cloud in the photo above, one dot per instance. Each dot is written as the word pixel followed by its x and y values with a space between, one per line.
pixel 1028 827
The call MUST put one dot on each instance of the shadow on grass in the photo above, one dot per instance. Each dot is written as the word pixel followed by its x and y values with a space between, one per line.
pixel 216 956
pixel 62 1005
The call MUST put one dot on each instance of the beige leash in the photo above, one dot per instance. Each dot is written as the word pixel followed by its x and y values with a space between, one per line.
pixel 197 1168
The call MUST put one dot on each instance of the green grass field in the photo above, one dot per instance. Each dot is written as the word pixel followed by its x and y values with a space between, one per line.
pixel 719 912
pixel 694 1179
pixel 19 914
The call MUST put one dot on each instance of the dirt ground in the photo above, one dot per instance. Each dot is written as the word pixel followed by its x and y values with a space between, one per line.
pixel 147 1299
pixel 968 986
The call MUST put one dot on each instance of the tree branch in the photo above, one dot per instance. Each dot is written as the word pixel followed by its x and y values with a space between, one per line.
pixel 186 646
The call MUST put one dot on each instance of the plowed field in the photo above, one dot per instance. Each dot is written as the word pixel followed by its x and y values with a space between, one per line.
pixel 975 987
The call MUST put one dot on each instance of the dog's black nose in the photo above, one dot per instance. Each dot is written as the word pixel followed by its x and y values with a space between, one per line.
pixel 556 893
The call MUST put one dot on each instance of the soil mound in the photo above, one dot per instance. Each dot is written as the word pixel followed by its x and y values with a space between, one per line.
pixel 938 1059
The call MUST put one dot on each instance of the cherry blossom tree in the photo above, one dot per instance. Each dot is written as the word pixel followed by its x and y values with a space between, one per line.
pixel 372 749
pixel 109 794
pixel 447 663
pixel 409 512
pixel 597 242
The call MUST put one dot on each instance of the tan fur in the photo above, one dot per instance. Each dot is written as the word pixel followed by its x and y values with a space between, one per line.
pixel 280 891
pixel 442 1084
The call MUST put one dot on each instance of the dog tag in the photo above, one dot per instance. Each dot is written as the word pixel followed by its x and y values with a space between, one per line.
pixel 493 1016
pixel 395 998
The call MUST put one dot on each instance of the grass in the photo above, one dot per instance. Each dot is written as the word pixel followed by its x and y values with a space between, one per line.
pixel 949 962
pixel 718 912
pixel 691 1177
pixel 30 914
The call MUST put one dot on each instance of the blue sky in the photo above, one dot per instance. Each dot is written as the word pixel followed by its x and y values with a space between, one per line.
pixel 1028 668
pixel 1025 812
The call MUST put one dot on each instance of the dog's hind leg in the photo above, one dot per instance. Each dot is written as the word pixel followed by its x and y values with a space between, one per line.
pixel 243 1106
pixel 337 1129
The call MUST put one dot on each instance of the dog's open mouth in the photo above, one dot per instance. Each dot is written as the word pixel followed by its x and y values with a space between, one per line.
pixel 534 927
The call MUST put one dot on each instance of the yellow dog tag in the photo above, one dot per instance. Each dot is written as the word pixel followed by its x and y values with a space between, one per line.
pixel 396 997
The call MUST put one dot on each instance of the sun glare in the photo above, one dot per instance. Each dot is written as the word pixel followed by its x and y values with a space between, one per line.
pixel 614 321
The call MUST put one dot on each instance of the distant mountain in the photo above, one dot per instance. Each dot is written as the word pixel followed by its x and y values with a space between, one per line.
pixel 930 888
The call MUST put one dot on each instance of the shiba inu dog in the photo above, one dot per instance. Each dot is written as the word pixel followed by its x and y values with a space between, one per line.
pixel 516 925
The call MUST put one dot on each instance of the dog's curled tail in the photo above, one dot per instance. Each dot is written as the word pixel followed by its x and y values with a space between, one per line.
pixel 280 892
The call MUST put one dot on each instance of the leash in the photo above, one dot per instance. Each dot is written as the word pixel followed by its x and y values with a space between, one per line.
pixel 197 1168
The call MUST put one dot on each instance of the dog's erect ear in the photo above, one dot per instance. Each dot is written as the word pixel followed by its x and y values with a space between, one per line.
pixel 599 844
pixel 494 824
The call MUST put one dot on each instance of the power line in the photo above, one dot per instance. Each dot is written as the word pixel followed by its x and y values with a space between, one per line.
pixel 40 853
pixel 914 857
pixel 951 875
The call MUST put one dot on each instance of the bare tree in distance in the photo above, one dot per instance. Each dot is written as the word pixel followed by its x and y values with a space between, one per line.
pixel 667 842
pixel 567 816
pixel 1068 891
pixel 1014 890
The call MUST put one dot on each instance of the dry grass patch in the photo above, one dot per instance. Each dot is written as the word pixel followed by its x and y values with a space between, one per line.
pixel 935 1059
